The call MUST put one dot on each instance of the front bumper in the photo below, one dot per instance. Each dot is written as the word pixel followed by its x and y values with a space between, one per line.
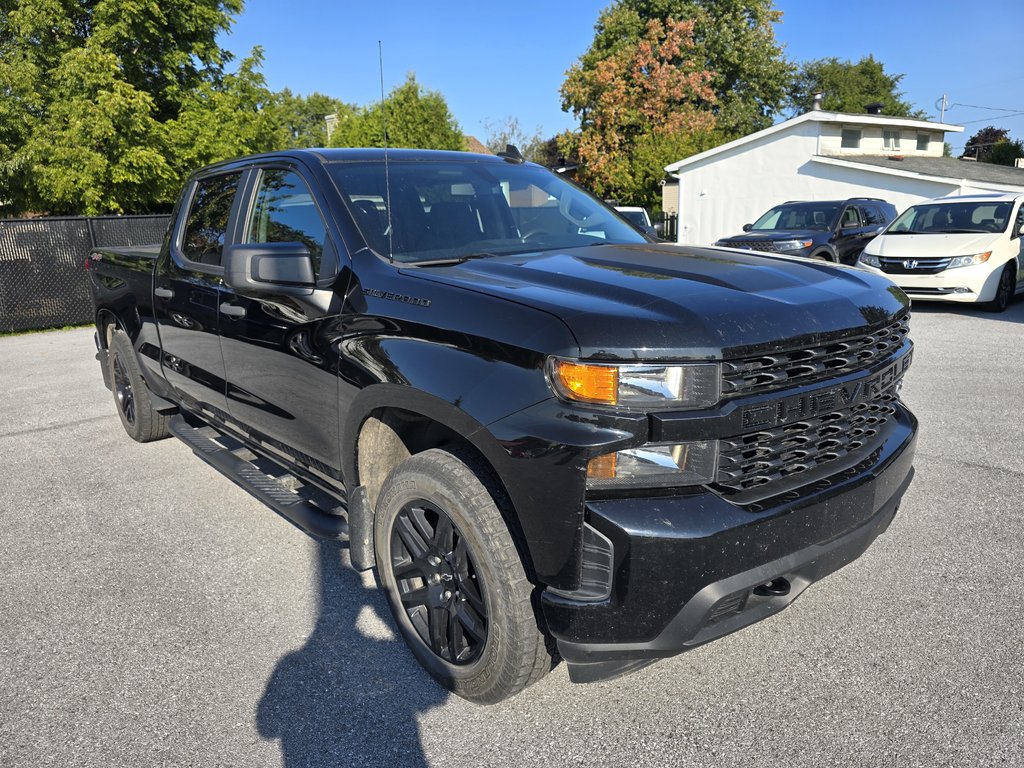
pixel 689 569
pixel 962 284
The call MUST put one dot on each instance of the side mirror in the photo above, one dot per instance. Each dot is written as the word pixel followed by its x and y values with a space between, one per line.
pixel 1020 230
pixel 880 230
pixel 269 268
pixel 647 229
pixel 747 227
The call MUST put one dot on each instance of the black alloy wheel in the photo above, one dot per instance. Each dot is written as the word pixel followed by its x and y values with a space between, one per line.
pixel 134 403
pixel 454 579
pixel 123 391
pixel 438 583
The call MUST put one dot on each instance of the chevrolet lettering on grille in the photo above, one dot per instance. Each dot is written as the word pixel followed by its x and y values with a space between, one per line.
pixel 826 401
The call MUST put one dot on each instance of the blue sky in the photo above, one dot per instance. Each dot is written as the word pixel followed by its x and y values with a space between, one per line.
pixel 493 60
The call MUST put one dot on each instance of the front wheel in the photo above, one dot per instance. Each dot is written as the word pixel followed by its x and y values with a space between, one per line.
pixel 1005 290
pixel 455 581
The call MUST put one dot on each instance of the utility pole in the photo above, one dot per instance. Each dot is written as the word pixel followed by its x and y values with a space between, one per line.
pixel 942 105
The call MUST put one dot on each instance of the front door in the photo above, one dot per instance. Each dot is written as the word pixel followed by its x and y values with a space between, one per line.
pixel 281 359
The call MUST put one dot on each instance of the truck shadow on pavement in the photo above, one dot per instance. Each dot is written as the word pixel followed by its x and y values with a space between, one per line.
pixel 346 698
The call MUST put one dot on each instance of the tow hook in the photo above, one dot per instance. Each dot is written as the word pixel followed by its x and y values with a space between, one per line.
pixel 775 588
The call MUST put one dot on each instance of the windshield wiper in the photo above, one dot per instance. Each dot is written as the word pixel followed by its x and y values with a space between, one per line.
pixel 453 260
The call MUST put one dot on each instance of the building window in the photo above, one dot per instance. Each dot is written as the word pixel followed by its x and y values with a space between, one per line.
pixel 891 139
pixel 851 138
pixel 922 142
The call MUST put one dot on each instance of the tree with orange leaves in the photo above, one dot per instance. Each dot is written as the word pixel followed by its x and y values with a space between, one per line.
pixel 641 107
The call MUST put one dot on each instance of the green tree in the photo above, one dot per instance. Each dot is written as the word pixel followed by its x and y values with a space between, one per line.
pixel 645 106
pixel 1006 152
pixel 732 39
pixel 237 116
pixel 415 118
pixel 100 150
pixel 981 144
pixel 304 117
pixel 86 90
pixel 849 87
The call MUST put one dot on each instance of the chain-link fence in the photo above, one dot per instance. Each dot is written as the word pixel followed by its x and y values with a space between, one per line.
pixel 42 281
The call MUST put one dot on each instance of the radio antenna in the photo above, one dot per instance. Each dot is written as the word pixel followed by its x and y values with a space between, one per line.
pixel 387 169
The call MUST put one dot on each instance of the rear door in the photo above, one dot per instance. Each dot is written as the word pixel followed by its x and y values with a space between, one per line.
pixel 187 292
pixel 281 352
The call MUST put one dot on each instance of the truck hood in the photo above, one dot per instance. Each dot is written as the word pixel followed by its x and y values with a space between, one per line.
pixel 938 244
pixel 655 301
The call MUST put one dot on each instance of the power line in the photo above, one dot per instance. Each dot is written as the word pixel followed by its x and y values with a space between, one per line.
pixel 992 119
pixel 994 109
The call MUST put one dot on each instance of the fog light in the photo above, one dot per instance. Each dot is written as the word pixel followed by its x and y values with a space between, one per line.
pixel 655 466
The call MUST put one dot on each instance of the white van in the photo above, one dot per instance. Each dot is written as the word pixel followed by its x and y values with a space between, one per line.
pixel 965 249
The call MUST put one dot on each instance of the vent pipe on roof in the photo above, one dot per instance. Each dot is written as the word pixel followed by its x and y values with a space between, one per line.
pixel 817 101
pixel 874 108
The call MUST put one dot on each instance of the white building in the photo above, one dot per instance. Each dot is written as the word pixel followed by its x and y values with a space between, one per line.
pixel 823 156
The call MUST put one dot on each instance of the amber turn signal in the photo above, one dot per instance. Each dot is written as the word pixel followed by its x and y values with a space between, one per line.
pixel 589 383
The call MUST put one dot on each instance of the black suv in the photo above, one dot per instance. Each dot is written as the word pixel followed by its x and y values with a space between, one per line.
pixel 832 230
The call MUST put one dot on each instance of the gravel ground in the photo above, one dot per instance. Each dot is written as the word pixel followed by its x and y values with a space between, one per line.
pixel 152 613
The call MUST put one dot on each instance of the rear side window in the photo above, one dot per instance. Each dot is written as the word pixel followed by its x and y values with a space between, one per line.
pixel 872 216
pixel 207 222
pixel 284 212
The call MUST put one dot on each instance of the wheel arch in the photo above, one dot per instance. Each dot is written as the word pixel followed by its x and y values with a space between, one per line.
pixel 389 423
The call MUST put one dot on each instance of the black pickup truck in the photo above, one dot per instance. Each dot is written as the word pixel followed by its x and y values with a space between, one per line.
pixel 551 435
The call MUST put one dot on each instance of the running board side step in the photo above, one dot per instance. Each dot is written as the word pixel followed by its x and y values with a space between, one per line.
pixel 286 502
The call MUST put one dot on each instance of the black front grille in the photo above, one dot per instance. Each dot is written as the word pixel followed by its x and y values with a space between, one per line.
pixel 926 265
pixel 755 245
pixel 795 451
pixel 806 365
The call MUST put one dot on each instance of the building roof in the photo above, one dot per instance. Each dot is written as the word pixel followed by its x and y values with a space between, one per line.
pixel 473 144
pixel 817 116
pixel 942 167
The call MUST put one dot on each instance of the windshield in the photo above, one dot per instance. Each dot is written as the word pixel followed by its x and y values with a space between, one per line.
pixel 816 216
pixel 443 210
pixel 952 218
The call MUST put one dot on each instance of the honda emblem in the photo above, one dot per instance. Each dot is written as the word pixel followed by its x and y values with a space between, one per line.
pixel 910 264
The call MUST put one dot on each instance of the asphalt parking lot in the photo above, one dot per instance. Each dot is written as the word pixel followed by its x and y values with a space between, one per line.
pixel 152 613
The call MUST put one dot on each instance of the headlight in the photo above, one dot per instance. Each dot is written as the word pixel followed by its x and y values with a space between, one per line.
pixel 655 466
pixel 792 245
pixel 691 385
pixel 870 261
pixel 968 261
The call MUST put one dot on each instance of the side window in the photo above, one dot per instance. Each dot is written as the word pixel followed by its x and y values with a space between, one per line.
pixel 850 219
pixel 872 216
pixel 1018 222
pixel 285 213
pixel 207 222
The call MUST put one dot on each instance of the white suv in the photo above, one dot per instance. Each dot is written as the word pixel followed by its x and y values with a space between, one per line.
pixel 965 249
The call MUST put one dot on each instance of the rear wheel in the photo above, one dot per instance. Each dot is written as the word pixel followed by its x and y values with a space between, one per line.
pixel 1004 290
pixel 139 418
pixel 454 579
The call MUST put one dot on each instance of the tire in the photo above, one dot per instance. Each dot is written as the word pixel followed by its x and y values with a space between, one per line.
pixel 458 589
pixel 139 418
pixel 826 256
pixel 1004 290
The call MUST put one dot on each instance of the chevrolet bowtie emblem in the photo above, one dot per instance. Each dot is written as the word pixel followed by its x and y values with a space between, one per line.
pixel 910 264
